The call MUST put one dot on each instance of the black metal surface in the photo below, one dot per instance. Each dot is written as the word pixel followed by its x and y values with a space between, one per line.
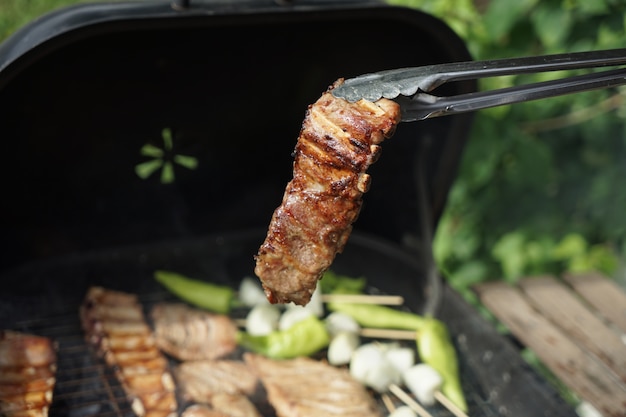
pixel 47 294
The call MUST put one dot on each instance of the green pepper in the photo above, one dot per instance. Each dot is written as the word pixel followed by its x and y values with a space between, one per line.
pixel 304 338
pixel 333 283
pixel 217 298
pixel 436 349
pixel 382 317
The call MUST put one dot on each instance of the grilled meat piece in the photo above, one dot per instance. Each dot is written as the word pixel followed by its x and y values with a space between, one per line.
pixel 338 141
pixel 27 374
pixel 201 410
pixel 200 381
pixel 304 387
pixel 114 323
pixel 234 405
pixel 188 333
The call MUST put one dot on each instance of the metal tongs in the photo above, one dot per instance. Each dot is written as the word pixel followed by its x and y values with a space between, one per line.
pixel 411 87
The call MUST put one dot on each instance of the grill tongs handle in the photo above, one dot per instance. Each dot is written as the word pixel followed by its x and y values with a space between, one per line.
pixel 410 87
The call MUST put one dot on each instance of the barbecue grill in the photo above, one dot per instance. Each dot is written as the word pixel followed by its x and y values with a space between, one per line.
pixel 158 135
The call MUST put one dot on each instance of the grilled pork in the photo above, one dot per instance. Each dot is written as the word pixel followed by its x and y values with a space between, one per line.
pixel 188 333
pixel 114 323
pixel 338 141
pixel 304 387
pixel 200 381
pixel 27 374
pixel 234 405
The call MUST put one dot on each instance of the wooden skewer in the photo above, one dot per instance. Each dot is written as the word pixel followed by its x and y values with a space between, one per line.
pixel 452 407
pixel 389 405
pixel 395 300
pixel 388 333
pixel 406 398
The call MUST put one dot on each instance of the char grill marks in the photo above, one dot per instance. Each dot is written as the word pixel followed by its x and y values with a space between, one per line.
pixel 304 387
pixel 27 374
pixel 338 141
pixel 114 323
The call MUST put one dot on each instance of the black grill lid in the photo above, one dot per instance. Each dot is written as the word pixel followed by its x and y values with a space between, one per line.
pixel 85 89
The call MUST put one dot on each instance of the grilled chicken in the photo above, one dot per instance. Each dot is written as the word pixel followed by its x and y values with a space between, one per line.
pixel 338 141
pixel 200 381
pixel 304 387
pixel 27 374
pixel 114 323
pixel 187 333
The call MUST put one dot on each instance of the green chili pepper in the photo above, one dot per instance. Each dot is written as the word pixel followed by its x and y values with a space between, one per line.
pixel 304 338
pixel 217 298
pixel 382 317
pixel 335 283
pixel 436 349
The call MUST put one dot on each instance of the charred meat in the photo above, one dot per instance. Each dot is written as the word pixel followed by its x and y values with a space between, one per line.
pixel 27 374
pixel 114 323
pixel 338 141
pixel 187 333
pixel 304 387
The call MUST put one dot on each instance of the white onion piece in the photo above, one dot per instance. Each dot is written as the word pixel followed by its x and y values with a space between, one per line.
pixel 251 293
pixel 341 348
pixel 402 358
pixel 403 411
pixel 423 381
pixel 337 322
pixel 370 366
pixel 291 316
pixel 262 319
pixel 315 305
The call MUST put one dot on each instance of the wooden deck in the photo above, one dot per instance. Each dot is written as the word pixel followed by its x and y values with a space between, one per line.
pixel 576 325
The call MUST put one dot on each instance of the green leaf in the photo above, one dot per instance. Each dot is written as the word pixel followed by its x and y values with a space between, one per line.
pixel 151 150
pixel 167 175
pixel 167 138
pixel 189 162
pixel 145 169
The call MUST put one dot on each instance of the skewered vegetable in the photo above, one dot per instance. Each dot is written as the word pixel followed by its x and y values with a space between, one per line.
pixel 341 348
pixel 304 338
pixel 213 297
pixel 251 293
pixel 436 349
pixel 383 317
pixel 262 319
pixel 340 322
pixel 379 365
pixel 423 381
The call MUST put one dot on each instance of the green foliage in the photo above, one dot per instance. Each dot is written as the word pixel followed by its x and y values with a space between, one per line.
pixel 539 189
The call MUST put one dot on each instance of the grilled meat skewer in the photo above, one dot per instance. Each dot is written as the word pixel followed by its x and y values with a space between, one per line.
pixel 114 323
pixel 27 374
pixel 338 141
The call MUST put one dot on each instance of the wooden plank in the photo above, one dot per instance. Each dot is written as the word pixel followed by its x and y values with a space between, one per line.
pixel 561 305
pixel 587 377
pixel 603 294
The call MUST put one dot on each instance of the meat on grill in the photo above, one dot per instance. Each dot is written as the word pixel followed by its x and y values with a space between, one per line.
pixel 200 381
pixel 338 141
pixel 114 323
pixel 201 410
pixel 234 405
pixel 27 374
pixel 187 333
pixel 304 387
